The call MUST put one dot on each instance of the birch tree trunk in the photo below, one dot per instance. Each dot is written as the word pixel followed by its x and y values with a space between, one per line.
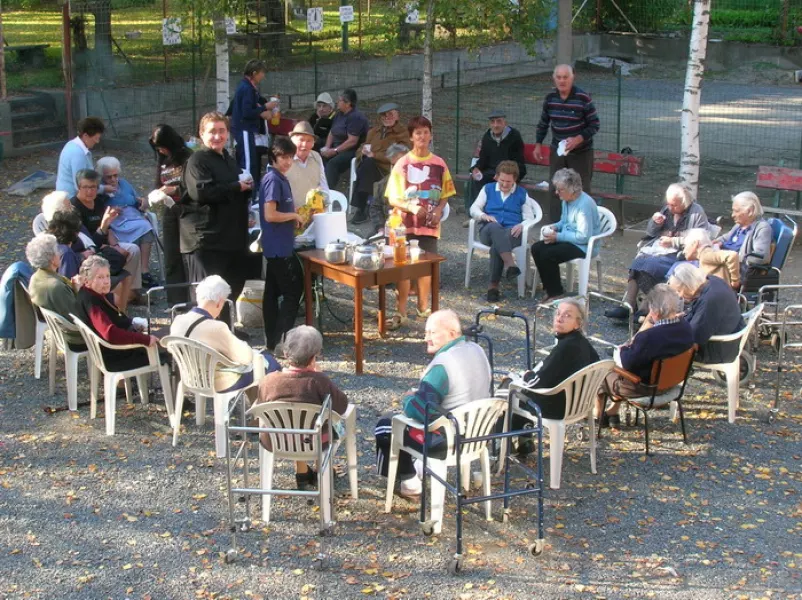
pixel 690 157
pixel 428 60
pixel 221 62
pixel 3 90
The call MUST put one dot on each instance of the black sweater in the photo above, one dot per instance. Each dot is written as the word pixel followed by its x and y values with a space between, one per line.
pixel 572 353
pixel 510 148
pixel 215 211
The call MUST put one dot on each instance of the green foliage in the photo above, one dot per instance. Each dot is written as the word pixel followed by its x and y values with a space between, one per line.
pixel 742 19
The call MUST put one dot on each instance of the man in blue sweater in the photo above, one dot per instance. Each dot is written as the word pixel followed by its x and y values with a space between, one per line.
pixel 77 155
pixel 666 333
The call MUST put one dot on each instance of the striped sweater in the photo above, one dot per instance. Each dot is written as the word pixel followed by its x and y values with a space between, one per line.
pixel 575 115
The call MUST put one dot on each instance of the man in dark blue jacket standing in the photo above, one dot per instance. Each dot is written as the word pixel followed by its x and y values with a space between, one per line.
pixel 248 108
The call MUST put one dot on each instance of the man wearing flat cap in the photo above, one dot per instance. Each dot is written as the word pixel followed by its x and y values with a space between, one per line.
pixel 373 162
pixel 321 119
pixel 306 172
pixel 500 142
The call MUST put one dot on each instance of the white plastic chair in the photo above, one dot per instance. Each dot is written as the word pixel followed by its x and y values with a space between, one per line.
pixel 39 336
pixel 59 326
pixel 352 180
pixel 475 419
pixel 298 447
pixel 339 197
pixel 608 225
pixel 580 390
pixel 197 364
pixel 521 253
pixel 732 370
pixel 110 378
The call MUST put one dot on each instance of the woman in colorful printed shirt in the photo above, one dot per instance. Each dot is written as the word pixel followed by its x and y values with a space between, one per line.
pixel 420 185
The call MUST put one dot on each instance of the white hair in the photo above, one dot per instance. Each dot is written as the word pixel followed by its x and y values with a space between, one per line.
pixel 664 301
pixel 699 235
pixel 446 319
pixel 563 66
pixel 689 277
pixel 751 202
pixel 579 305
pixel 108 162
pixel 301 345
pixel 55 202
pixel 213 289
pixel 677 190
pixel 568 180
pixel 41 250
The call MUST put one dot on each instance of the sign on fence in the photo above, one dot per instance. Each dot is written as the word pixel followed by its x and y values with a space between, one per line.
pixel 171 31
pixel 412 13
pixel 346 14
pixel 231 26
pixel 314 19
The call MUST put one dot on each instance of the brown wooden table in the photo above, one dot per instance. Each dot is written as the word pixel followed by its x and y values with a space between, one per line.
pixel 315 263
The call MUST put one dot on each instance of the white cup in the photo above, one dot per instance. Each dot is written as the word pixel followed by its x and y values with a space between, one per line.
pixel 366 148
pixel 414 253
pixel 477 176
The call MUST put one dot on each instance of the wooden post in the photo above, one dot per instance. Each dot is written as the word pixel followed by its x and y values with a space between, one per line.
pixel 164 48
pixel 598 16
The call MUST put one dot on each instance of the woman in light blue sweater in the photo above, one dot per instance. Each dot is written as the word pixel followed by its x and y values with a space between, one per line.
pixel 568 238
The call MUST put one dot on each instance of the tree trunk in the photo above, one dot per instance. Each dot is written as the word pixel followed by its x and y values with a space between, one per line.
pixel 690 157
pixel 565 39
pixel 221 62
pixel 428 60
pixel 3 90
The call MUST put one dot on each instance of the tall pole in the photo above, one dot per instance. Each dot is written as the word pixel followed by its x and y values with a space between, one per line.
pixel 345 28
pixel 456 148
pixel 564 38
pixel 3 90
pixel 66 64
pixel 194 92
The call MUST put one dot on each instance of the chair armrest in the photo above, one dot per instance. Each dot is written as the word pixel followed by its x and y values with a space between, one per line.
pixel 526 230
pixel 258 367
pixel 732 337
pixel 627 375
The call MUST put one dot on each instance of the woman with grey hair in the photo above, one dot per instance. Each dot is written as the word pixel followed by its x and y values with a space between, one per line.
pixel 660 248
pixel 378 210
pixel 48 289
pixel 713 309
pixel 699 251
pixel 751 236
pixel 131 225
pixel 568 238
pixel 666 333
pixel 301 382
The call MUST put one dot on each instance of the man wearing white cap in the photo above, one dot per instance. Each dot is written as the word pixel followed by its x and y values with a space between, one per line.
pixel 321 119
pixel 374 164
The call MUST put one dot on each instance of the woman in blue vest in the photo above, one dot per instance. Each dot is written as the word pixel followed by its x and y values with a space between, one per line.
pixel 501 208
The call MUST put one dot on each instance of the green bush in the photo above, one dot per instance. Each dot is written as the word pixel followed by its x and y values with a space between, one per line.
pixel 742 19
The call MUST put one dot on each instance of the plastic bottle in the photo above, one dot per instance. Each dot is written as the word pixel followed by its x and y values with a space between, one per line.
pixel 275 119
pixel 397 237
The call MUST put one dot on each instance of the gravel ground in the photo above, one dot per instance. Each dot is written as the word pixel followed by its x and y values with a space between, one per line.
pixel 83 515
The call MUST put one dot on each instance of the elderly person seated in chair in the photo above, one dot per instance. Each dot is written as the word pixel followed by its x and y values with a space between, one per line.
pixel 751 236
pixel 660 248
pixel 459 373
pixel 572 353
pixel 667 335
pixel 700 252
pixel 501 208
pixel 112 325
pixel 48 289
pixel 713 309
pixel 131 225
pixel 568 238
pixel 201 324
pixel 301 382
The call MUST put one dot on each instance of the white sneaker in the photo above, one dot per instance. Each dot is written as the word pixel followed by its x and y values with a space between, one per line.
pixel 410 487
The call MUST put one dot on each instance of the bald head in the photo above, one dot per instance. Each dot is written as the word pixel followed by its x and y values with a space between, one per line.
pixel 442 327
pixel 563 79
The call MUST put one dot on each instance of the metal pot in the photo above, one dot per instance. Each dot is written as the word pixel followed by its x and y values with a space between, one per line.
pixel 368 258
pixel 336 253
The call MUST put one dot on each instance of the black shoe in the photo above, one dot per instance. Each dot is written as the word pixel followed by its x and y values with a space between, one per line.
pixel 493 295
pixel 242 334
pixel 525 447
pixel 304 481
pixel 360 216
pixel 513 272
pixel 619 312
pixel 613 421
pixel 149 281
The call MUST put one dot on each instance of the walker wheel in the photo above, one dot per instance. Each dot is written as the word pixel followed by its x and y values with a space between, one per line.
pixel 775 341
pixel 319 563
pixel 327 531
pixel 628 417
pixel 427 528
pixel 771 416
pixel 530 485
pixel 455 566
pixel 245 526
pixel 505 516
pixel 231 556
pixel 536 549
pixel 582 434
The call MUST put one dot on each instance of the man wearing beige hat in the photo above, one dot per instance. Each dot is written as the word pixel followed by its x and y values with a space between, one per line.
pixel 321 119
pixel 306 172
pixel 373 162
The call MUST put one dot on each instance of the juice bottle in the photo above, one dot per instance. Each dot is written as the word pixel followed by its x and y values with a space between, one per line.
pixel 275 119
pixel 397 237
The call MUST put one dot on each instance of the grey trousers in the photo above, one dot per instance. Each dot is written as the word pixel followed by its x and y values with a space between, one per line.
pixel 500 240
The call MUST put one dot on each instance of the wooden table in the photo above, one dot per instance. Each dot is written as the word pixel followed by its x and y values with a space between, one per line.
pixel 315 263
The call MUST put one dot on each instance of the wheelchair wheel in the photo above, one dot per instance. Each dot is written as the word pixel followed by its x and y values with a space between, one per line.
pixel 747 365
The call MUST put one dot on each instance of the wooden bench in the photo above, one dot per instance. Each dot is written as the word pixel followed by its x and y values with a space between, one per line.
pixel 781 180
pixel 29 54
pixel 611 163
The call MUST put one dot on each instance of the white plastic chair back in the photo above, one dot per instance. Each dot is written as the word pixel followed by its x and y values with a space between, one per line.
pixel 291 415
pixel 39 224
pixel 196 362
pixel 93 343
pixel 58 326
pixel 476 419
pixel 340 199
pixel 581 390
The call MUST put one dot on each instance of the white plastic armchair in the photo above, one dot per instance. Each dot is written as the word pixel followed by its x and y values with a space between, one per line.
pixel 301 447
pixel 521 253
pixel 608 225
pixel 59 326
pixel 580 390
pixel 732 370
pixel 41 329
pixel 110 378
pixel 475 419
pixel 197 365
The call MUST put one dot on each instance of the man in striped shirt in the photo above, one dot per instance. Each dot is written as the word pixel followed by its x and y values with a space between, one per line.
pixel 573 118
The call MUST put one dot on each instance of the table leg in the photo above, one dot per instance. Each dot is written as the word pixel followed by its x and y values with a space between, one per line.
pixel 382 310
pixel 358 328
pixel 308 302
pixel 435 286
